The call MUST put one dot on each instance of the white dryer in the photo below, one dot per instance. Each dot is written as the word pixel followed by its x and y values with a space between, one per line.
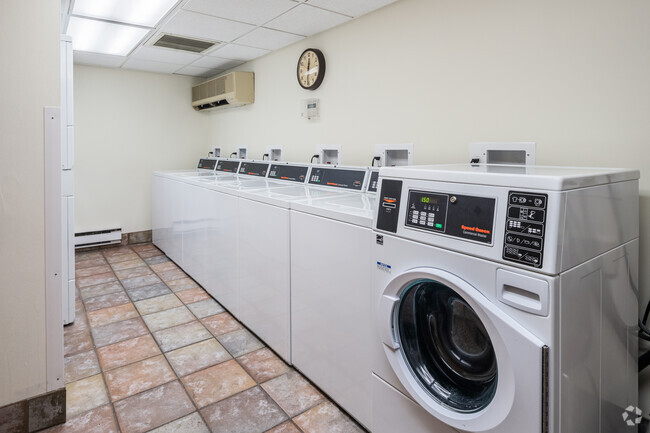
pixel 505 299
pixel 331 293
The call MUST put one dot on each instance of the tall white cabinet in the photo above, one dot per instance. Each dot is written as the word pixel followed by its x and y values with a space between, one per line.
pixel 67 181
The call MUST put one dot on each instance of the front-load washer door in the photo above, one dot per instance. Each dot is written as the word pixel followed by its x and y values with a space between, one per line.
pixel 460 357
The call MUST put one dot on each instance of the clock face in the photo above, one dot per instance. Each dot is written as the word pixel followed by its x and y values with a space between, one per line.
pixel 311 69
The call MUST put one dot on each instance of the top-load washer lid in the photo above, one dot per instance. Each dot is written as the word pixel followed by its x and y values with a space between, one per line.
pixel 528 177
pixel 358 209
pixel 284 196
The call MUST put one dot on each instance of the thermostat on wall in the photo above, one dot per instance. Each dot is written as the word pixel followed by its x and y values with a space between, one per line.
pixel 310 108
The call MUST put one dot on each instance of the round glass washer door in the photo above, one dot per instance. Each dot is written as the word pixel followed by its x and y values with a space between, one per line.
pixel 446 346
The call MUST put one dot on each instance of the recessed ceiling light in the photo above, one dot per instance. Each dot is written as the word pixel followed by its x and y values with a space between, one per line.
pixel 102 37
pixel 140 12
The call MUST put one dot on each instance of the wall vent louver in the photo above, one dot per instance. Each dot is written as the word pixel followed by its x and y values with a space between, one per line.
pixel 229 90
pixel 184 44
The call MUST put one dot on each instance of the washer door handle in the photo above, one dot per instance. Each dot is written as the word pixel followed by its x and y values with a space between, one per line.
pixel 385 318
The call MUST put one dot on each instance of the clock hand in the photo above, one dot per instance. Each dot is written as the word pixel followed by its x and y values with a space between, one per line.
pixel 308 67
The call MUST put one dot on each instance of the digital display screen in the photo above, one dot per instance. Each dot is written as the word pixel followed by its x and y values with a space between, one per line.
pixel 339 178
pixel 461 216
pixel 292 173
pixel 228 166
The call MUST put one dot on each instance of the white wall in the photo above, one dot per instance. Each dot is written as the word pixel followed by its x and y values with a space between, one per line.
pixel 572 76
pixel 30 81
pixel 128 124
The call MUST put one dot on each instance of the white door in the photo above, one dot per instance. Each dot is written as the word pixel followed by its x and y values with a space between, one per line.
pixel 459 356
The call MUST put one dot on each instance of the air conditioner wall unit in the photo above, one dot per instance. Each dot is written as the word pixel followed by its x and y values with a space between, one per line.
pixel 230 90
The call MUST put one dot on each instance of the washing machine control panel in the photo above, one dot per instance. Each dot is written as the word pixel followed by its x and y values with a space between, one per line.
pixel 228 166
pixel 254 168
pixel 525 228
pixel 207 164
pixel 374 180
pixel 462 216
pixel 293 173
pixel 337 177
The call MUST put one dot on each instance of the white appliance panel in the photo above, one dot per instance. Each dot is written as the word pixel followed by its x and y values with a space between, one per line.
pixel 332 326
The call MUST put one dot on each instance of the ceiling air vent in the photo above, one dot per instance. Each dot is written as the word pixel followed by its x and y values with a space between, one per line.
pixel 185 44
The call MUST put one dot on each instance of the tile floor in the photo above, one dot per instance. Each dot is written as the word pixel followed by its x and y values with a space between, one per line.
pixel 151 351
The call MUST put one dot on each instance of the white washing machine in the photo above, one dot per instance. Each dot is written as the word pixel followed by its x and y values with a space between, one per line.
pixel 264 239
pixel 331 295
pixel 169 204
pixel 505 299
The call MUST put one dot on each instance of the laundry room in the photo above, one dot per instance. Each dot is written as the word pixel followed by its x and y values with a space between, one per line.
pixel 282 216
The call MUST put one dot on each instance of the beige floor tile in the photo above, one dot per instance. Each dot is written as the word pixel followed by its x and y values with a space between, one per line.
pixel 75 342
pixel 182 284
pixel 263 365
pixel 206 308
pixel 293 393
pixel 153 408
pixel 110 315
pixel 127 352
pixel 168 318
pixel 106 301
pixel 93 280
pixel 99 420
pixel 249 411
pixel 285 427
pixel 164 266
pixel 146 292
pixel 100 290
pixel 239 342
pixel 85 394
pixel 197 356
pixel 127 264
pixel 118 331
pixel 121 258
pixel 216 383
pixel 81 365
pixel 89 271
pixel 192 423
pixel 137 377
pixel 222 323
pixel 140 271
pixel 144 281
pixel 193 295
pixel 174 274
pixel 183 335
pixel 326 418
pixel 159 303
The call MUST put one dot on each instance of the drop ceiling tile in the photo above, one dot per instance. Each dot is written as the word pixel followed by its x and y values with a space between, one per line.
pixel 352 8
pixel 268 39
pixel 150 66
pixel 201 26
pixel 307 20
pixel 165 55
pixel 86 58
pixel 247 11
pixel 238 52
pixel 196 71
pixel 216 63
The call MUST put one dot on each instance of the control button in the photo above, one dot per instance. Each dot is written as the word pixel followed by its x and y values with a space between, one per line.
pixel 414 221
pixel 430 223
pixel 416 213
pixel 532 258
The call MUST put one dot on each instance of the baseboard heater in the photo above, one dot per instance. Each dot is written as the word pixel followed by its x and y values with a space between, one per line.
pixel 98 238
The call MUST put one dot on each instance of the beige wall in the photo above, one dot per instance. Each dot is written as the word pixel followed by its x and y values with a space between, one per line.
pixel 29 42
pixel 571 76
pixel 128 124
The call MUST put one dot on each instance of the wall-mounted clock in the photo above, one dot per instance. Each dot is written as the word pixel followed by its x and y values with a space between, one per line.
pixel 311 69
